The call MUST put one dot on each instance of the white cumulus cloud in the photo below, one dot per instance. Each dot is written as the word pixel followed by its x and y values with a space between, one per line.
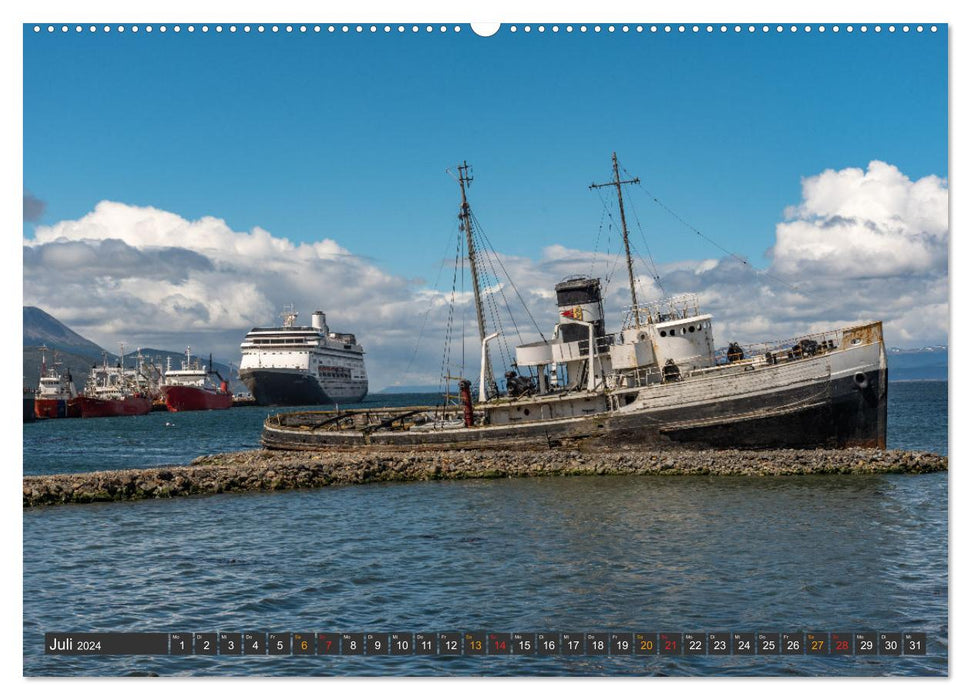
pixel 854 223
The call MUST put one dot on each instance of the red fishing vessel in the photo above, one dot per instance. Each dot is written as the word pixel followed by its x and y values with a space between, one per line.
pixel 56 396
pixel 192 388
pixel 114 391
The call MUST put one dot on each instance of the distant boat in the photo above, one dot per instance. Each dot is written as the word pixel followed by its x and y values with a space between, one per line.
pixel 657 382
pixel 191 388
pixel 56 396
pixel 114 391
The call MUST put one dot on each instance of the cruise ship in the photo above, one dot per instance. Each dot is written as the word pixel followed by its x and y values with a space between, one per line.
pixel 293 365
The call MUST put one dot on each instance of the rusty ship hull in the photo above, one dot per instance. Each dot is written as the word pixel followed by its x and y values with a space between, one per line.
pixel 835 399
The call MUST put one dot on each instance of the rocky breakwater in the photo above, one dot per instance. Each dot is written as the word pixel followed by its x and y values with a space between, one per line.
pixel 264 470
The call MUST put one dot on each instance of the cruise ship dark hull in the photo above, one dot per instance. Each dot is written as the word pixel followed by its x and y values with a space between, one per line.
pixel 271 387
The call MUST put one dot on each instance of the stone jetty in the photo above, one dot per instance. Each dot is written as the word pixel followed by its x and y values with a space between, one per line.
pixel 265 470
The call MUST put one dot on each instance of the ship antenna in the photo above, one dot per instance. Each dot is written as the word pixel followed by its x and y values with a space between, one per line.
pixel 617 182
pixel 465 217
pixel 289 316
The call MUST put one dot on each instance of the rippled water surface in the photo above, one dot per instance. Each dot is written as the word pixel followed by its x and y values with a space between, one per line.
pixel 827 553
pixel 93 444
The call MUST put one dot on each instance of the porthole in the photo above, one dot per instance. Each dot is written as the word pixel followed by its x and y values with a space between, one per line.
pixel 691 329
pixel 664 334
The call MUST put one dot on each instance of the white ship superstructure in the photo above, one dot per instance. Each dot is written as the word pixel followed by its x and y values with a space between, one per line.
pixel 56 396
pixel 55 384
pixel 293 365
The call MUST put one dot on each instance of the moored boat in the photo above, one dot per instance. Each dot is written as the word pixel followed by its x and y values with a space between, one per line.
pixel 104 406
pixel 56 396
pixel 293 365
pixel 656 382
pixel 191 388
pixel 115 391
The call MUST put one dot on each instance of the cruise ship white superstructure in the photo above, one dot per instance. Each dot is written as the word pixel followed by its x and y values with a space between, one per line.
pixel 293 365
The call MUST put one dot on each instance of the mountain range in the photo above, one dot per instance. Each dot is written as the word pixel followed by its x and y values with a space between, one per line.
pixel 40 328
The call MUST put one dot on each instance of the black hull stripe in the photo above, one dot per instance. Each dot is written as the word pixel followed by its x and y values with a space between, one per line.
pixel 292 389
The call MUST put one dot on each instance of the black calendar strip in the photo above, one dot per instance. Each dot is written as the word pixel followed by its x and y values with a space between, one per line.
pixel 486 643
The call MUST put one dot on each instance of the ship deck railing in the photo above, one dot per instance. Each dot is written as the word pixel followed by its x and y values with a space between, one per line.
pixel 754 356
pixel 669 309
pixel 789 348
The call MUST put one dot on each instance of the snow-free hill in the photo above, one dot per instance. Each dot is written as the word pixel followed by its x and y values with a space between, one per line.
pixel 40 328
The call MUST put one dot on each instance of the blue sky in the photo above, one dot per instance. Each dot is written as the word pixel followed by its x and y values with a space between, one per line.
pixel 347 135
pixel 193 183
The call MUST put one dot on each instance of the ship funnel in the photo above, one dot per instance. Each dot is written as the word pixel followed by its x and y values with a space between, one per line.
pixel 319 321
pixel 580 298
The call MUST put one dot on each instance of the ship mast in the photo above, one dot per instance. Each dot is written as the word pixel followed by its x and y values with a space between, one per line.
pixel 465 217
pixel 617 182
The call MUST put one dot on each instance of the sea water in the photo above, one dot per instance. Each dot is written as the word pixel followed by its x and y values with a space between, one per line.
pixel 850 553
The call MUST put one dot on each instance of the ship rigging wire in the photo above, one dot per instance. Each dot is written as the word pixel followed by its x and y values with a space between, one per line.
pixel 424 322
pixel 739 258
pixel 491 250
pixel 489 257
pixel 596 243
pixel 447 349
pixel 489 298
pixel 647 246
pixel 608 274
pixel 494 301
